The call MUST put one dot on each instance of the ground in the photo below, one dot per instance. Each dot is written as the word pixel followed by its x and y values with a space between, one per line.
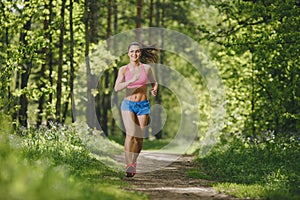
pixel 164 177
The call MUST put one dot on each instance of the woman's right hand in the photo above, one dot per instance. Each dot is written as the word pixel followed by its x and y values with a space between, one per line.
pixel 135 77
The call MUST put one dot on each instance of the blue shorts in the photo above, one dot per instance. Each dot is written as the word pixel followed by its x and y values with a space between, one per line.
pixel 137 107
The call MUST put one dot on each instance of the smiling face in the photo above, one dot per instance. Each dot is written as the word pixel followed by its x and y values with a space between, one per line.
pixel 134 53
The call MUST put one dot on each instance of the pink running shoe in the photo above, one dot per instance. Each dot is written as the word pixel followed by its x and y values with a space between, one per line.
pixel 131 170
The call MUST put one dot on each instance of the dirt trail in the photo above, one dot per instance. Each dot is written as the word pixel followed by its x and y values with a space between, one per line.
pixel 170 181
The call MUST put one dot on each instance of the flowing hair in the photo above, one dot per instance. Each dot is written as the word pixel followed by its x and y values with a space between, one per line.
pixel 149 53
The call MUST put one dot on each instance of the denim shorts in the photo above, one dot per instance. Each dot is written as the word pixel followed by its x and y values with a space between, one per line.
pixel 137 107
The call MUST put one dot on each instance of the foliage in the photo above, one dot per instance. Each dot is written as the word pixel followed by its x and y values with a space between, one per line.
pixel 254 191
pixel 256 53
pixel 54 164
pixel 257 57
pixel 58 143
pixel 268 160
pixel 254 44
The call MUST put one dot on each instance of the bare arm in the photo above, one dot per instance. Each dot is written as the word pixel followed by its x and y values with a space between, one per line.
pixel 153 82
pixel 120 82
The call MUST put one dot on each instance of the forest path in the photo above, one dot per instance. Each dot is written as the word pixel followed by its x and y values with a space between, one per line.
pixel 171 181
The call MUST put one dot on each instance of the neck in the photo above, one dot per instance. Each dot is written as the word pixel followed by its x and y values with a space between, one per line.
pixel 135 63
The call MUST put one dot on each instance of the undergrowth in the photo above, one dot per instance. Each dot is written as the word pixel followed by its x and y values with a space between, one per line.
pixel 56 163
pixel 262 167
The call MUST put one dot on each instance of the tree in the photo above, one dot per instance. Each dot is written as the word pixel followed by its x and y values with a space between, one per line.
pixel 264 34
pixel 60 63
pixel 26 67
pixel 42 74
pixel 90 106
pixel 139 16
pixel 72 68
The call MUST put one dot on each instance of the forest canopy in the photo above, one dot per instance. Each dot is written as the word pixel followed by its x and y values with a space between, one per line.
pixel 253 43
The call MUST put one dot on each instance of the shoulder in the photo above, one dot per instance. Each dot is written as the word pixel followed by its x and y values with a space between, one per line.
pixel 147 67
pixel 123 69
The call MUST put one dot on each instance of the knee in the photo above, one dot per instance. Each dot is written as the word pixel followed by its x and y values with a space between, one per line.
pixel 129 138
pixel 138 141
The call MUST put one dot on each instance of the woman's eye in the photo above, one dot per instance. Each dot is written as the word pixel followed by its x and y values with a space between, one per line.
pixel 138 51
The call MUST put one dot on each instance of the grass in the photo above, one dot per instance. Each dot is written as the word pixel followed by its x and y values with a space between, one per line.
pixel 194 173
pixel 165 145
pixel 77 163
pixel 148 144
pixel 265 168
pixel 54 163
pixel 253 191
pixel 155 144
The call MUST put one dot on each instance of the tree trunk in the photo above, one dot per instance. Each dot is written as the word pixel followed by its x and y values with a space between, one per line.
pixel 91 117
pixel 139 14
pixel 41 100
pixel 109 14
pixel 157 17
pixel 105 97
pixel 115 71
pixel 94 15
pixel 115 11
pixel 139 19
pixel 151 7
pixel 9 95
pixel 26 67
pixel 72 71
pixel 156 119
pixel 60 63
pixel 50 63
pixel 252 96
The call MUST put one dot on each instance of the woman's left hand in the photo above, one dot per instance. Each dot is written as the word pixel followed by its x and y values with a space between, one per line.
pixel 154 91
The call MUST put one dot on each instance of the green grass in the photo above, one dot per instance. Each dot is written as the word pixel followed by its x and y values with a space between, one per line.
pixel 155 144
pixel 254 191
pixel 266 168
pixel 54 163
pixel 148 144
pixel 195 173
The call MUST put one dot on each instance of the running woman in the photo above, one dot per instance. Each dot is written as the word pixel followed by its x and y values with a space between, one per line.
pixel 135 107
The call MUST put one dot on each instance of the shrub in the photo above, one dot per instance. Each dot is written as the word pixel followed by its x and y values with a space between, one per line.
pixel 53 163
pixel 270 161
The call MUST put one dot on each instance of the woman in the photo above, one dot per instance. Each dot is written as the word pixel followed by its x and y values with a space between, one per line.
pixel 135 107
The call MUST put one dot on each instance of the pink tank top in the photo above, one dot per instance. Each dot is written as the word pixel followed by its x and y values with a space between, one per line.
pixel 139 82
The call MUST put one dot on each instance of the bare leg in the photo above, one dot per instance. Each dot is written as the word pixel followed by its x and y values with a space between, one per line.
pixel 128 144
pixel 129 120
pixel 138 139
pixel 137 148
